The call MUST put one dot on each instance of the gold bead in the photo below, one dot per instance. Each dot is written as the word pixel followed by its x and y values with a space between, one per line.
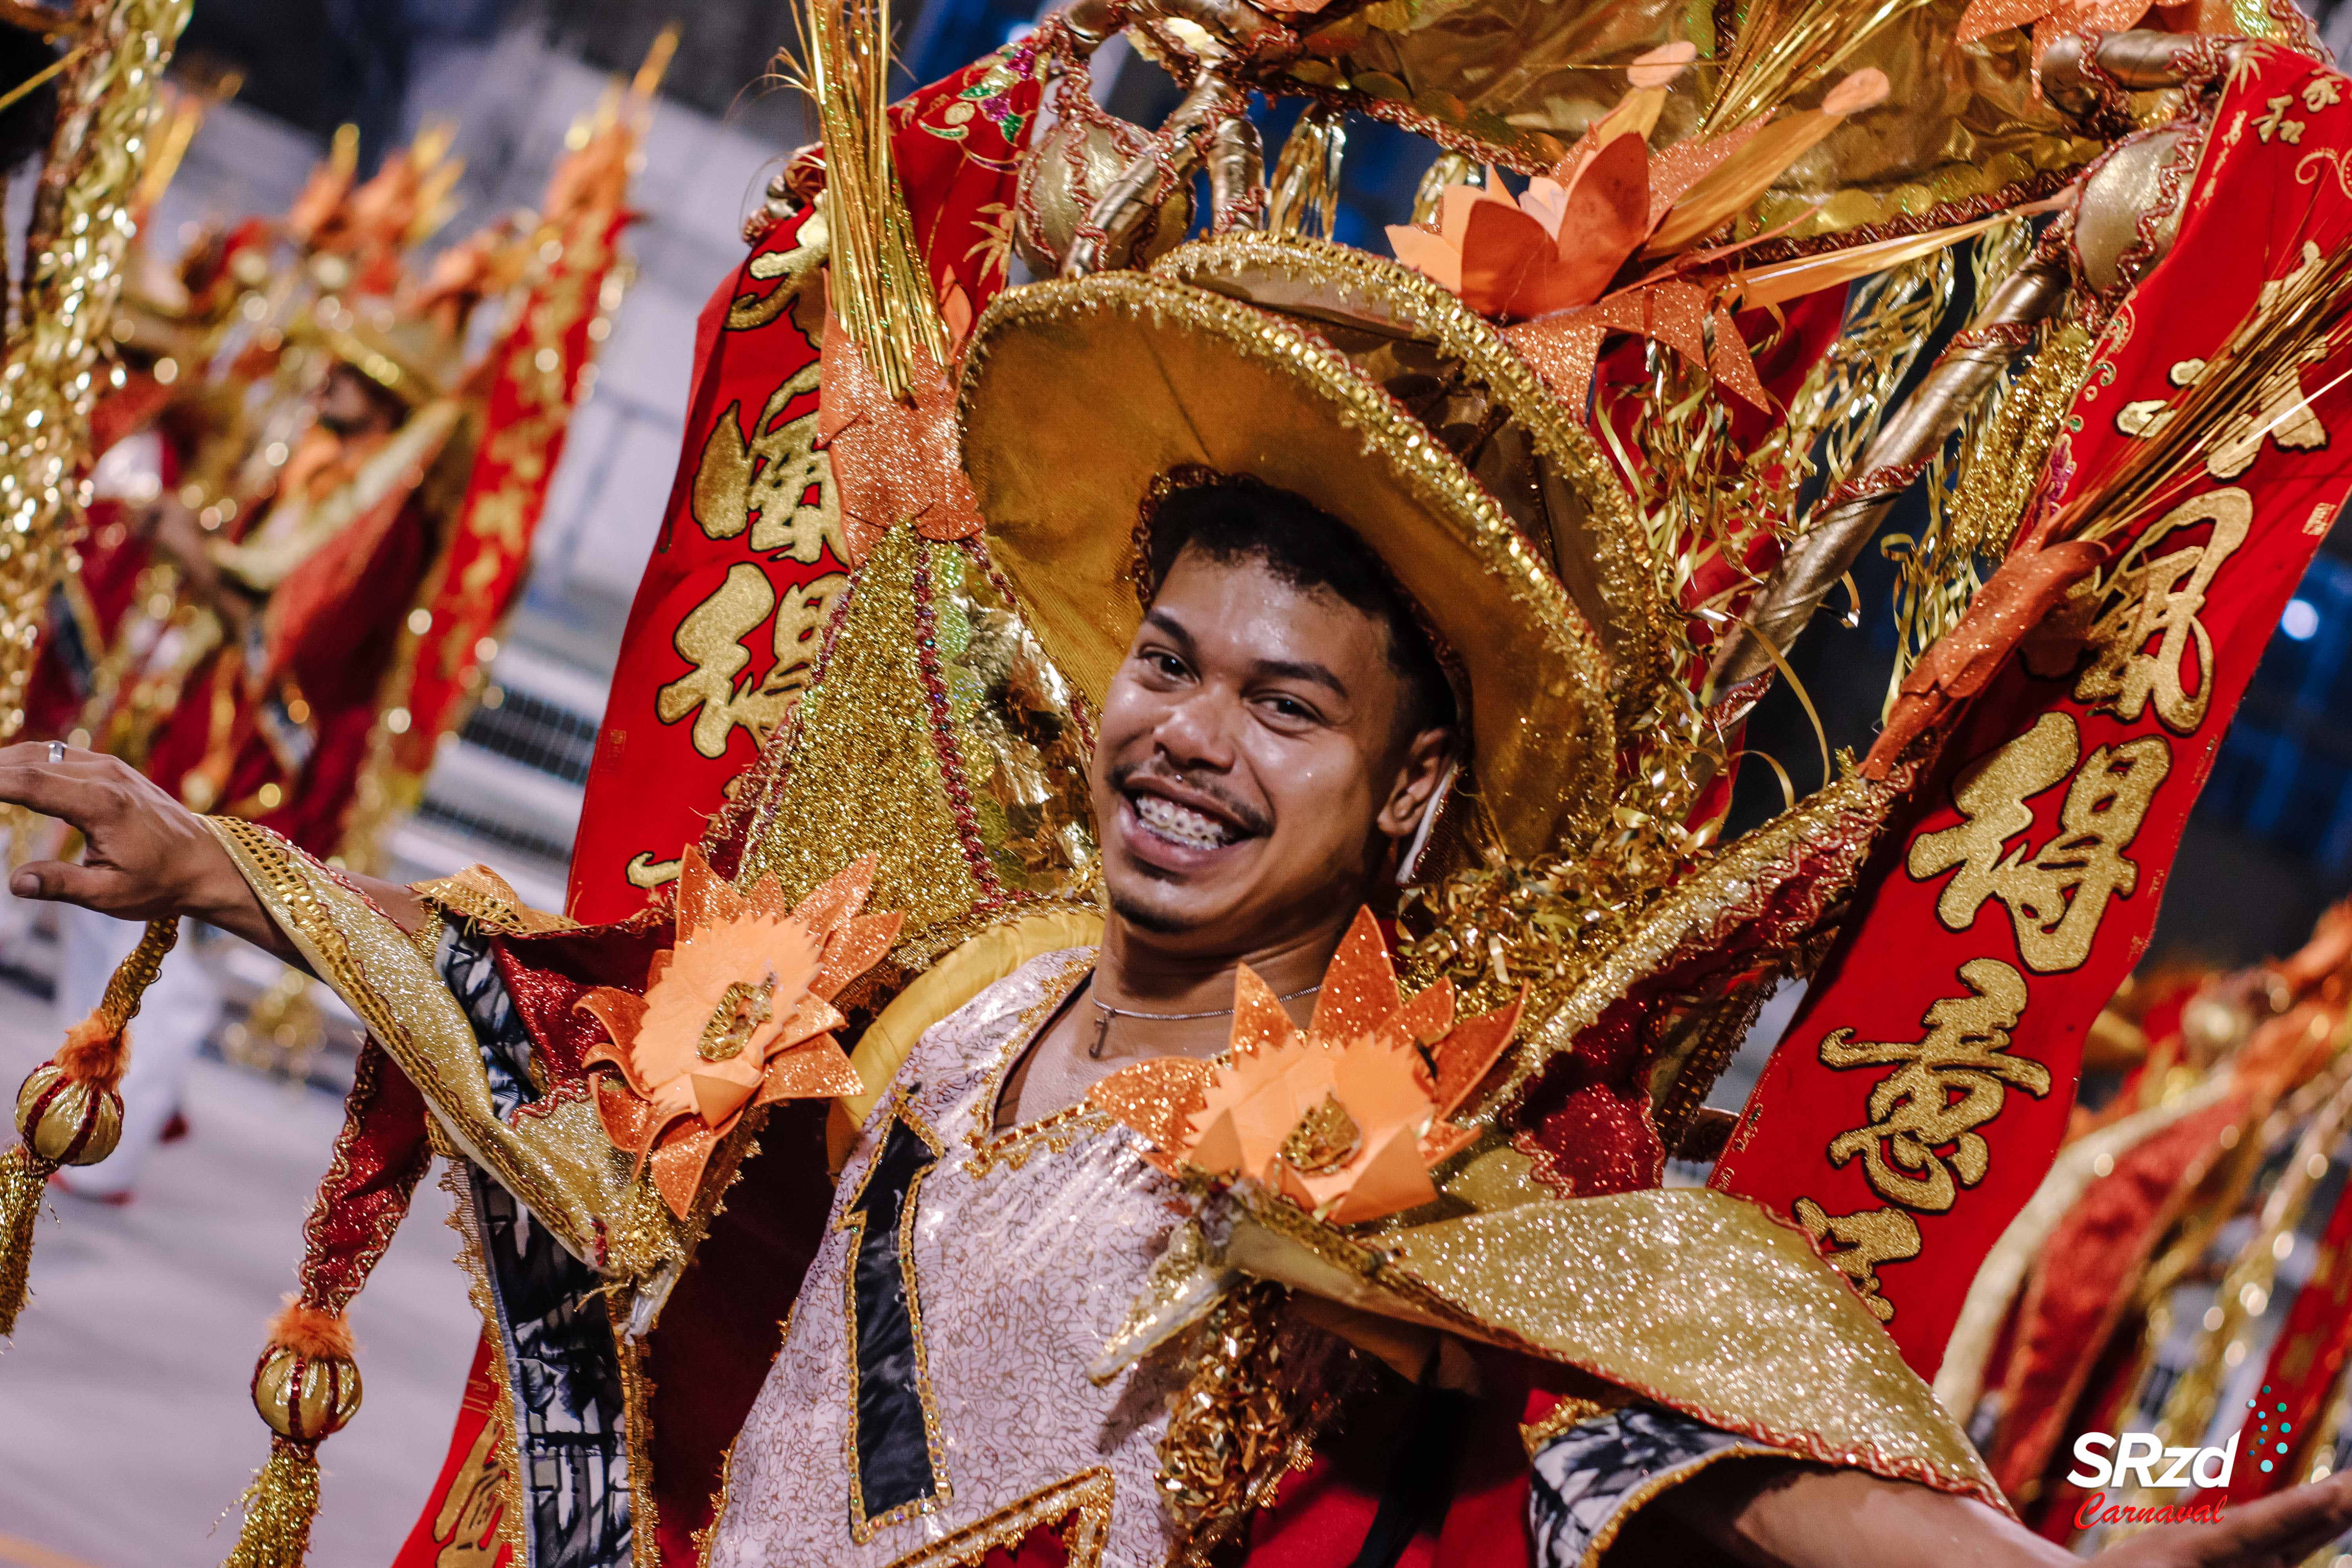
pixel 67 1123
pixel 305 1398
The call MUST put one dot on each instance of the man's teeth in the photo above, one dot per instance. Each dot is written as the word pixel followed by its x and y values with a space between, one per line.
pixel 1183 824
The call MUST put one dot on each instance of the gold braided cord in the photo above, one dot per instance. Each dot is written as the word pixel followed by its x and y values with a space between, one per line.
pixel 129 982
pixel 82 229
pixel 881 290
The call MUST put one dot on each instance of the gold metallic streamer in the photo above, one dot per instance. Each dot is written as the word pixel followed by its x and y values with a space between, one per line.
pixel 82 229
pixel 881 290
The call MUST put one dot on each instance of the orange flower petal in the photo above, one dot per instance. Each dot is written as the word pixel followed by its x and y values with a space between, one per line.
pixel 1507 261
pixel 1427 253
pixel 1258 1019
pixel 841 897
pixel 1157 1098
pixel 1465 1055
pixel 814 1070
pixel 855 947
pixel 678 1169
pixel 628 1119
pixel 720 1094
pixel 1390 1181
pixel 704 897
pixel 1605 216
pixel 1360 988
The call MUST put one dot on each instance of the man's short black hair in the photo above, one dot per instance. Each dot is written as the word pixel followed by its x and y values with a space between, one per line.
pixel 1234 517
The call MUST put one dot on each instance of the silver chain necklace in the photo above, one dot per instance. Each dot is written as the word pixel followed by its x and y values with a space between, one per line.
pixel 1107 1012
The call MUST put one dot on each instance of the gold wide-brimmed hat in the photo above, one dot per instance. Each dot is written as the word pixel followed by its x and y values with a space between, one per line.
pixel 1079 395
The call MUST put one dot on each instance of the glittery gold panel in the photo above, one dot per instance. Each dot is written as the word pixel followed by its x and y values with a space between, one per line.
pixel 1962 126
pixel 1703 1302
pixel 1020 736
pixel 80 236
pixel 865 776
pixel 559 1164
pixel 1457 373
pixel 1079 395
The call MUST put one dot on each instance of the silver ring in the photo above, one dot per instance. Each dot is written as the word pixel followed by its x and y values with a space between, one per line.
pixel 57 752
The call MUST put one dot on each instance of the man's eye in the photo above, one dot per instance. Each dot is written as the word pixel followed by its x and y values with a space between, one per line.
pixel 1166 664
pixel 1290 708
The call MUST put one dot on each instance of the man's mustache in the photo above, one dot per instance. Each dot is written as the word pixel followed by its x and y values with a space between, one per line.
pixel 1247 816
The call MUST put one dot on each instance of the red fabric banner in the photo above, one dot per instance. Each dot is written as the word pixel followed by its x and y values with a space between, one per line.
pixel 1920 1093
pixel 725 630
pixel 536 383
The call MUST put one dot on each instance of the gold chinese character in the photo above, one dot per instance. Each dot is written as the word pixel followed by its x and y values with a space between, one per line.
pixel 466 1531
pixel 2321 91
pixel 2056 897
pixel 2282 412
pixel 777 484
pixel 710 638
pixel 1856 1243
pixel 2276 123
pixel 2157 597
pixel 1913 1113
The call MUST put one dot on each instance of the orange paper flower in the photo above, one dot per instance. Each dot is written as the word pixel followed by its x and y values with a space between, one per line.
pixel 1557 257
pixel 738 1013
pixel 1345 1121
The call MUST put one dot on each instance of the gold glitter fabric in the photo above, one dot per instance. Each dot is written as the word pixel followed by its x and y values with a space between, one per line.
pixel 1021 1254
pixel 558 1163
pixel 82 226
pixel 1693 1299
pixel 1078 398
pixel 939 738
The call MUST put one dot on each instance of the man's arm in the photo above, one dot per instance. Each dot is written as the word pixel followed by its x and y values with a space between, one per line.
pixel 1797 1516
pixel 147 856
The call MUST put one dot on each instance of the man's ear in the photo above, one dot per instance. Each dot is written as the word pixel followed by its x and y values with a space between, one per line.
pixel 1416 782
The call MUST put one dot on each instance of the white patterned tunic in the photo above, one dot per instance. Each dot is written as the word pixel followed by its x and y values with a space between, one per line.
pixel 931 1399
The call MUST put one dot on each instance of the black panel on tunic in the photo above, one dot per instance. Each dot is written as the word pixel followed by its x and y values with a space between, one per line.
pixel 894 1452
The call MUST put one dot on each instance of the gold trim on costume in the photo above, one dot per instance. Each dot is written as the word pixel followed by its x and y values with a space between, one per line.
pixel 1012 1147
pixel 1084 1499
pixel 558 1161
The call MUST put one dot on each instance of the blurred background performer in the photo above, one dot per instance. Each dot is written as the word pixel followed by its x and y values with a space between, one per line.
pixel 307 581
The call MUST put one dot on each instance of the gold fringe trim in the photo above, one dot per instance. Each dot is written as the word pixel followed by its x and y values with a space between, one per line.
pixel 22 1177
pixel 278 1508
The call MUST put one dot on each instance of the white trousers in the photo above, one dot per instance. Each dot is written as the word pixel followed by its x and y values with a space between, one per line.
pixel 180 1010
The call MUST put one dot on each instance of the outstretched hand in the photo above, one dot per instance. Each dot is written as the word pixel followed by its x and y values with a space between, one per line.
pixel 1806 1516
pixel 2276 1533
pixel 147 856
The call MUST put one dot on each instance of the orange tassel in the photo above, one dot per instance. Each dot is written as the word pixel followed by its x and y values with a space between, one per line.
pixel 69 1110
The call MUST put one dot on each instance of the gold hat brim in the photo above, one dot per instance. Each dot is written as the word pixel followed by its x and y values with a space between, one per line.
pixel 1455 371
pixel 1079 394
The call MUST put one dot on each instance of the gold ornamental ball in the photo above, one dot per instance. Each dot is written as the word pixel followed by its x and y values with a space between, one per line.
pixel 305 1398
pixel 1075 164
pixel 65 1122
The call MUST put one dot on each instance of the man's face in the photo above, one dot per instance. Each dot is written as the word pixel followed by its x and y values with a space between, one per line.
pixel 1249 763
pixel 351 405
